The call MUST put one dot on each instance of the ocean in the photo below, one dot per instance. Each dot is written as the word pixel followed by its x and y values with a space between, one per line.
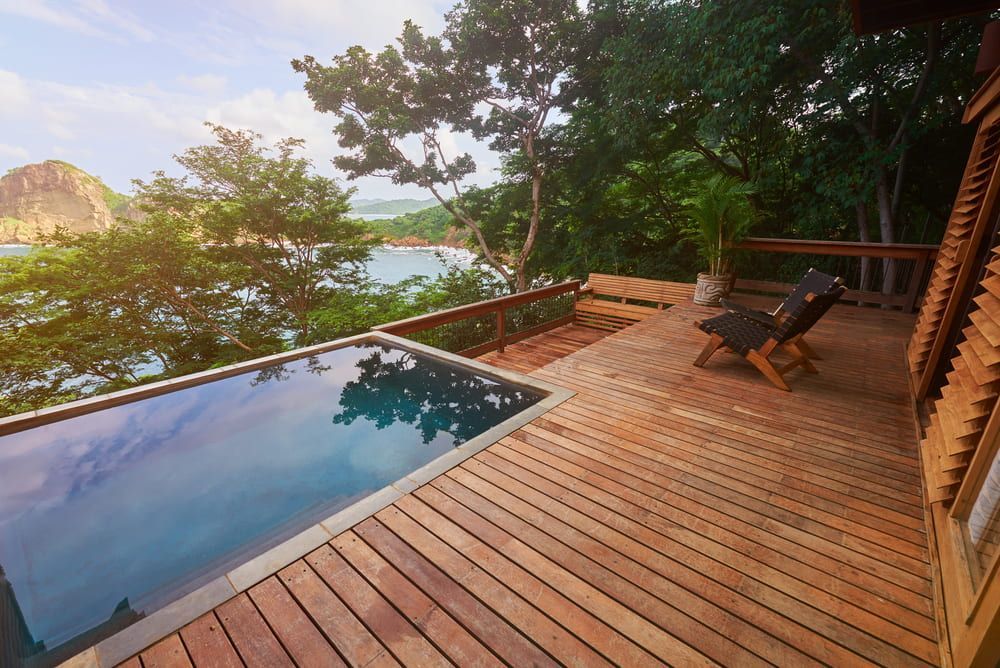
pixel 389 264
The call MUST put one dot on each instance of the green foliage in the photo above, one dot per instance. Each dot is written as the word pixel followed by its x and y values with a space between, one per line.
pixel 721 217
pixel 264 209
pixel 785 95
pixel 434 225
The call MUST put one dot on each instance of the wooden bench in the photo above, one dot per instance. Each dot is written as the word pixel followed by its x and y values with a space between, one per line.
pixel 605 302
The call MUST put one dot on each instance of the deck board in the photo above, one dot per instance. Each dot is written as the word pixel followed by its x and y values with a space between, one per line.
pixel 666 513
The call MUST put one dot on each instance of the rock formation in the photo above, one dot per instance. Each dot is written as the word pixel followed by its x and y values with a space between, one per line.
pixel 36 199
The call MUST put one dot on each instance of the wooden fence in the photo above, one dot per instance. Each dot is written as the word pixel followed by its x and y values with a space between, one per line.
pixel 499 308
pixel 914 262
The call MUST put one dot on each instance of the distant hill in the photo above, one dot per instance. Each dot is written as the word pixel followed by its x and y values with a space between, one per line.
pixel 391 206
pixel 36 199
pixel 366 202
pixel 430 226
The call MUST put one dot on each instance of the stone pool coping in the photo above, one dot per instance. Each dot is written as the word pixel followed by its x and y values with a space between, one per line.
pixel 175 615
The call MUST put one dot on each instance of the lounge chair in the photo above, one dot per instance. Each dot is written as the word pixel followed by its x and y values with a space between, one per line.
pixel 756 341
pixel 814 281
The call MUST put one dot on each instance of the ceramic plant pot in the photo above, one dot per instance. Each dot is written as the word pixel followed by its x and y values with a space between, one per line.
pixel 710 289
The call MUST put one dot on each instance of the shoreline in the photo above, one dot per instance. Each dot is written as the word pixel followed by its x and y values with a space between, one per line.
pixel 453 251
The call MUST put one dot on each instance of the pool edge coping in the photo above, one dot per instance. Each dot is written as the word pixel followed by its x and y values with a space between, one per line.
pixel 175 615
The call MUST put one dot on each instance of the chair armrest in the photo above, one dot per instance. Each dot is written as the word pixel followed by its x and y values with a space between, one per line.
pixel 761 317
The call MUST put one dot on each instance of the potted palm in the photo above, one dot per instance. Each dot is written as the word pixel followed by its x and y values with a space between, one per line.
pixel 721 217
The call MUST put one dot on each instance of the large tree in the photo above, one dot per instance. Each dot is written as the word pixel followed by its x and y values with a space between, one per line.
pixel 828 124
pixel 266 210
pixel 495 72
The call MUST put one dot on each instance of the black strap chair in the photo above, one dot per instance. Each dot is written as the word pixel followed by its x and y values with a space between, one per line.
pixel 756 341
pixel 815 282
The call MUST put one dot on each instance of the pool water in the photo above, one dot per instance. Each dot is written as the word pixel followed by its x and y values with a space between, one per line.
pixel 108 516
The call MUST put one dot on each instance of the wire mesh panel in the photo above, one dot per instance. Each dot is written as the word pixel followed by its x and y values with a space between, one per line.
pixel 459 335
pixel 473 329
pixel 532 314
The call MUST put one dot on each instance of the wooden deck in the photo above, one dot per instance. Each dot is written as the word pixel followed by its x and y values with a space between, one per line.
pixel 538 351
pixel 665 514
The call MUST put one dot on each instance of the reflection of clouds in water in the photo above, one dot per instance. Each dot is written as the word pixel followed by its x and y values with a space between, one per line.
pixel 64 458
pixel 46 466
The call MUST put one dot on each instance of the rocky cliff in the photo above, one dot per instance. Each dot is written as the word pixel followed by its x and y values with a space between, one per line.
pixel 36 199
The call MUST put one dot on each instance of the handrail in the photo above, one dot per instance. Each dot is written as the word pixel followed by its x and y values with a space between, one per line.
pixel 498 306
pixel 842 248
pixel 922 255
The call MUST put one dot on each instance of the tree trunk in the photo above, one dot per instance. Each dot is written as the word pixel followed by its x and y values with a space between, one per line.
pixel 886 229
pixel 536 208
pixel 865 282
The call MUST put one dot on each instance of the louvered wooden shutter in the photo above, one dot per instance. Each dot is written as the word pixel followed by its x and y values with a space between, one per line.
pixel 964 232
pixel 970 395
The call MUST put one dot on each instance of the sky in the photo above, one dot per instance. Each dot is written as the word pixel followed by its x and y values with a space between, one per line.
pixel 118 87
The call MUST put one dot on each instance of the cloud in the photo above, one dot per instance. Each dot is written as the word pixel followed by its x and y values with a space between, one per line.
pixel 13 93
pixel 372 24
pixel 118 19
pixel 210 84
pixel 15 152
pixel 279 115
pixel 94 18
pixel 38 10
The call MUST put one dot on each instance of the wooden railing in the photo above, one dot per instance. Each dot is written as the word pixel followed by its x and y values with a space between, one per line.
pixel 499 307
pixel 914 262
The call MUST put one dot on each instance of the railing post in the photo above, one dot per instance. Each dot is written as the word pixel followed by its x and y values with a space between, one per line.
pixel 916 278
pixel 501 328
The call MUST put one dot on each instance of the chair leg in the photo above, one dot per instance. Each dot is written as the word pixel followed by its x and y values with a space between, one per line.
pixel 765 367
pixel 801 357
pixel 807 350
pixel 714 343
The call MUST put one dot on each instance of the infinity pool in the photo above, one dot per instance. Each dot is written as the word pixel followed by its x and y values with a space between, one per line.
pixel 110 515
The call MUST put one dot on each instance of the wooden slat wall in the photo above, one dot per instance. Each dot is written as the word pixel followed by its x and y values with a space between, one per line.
pixel 964 229
pixel 970 395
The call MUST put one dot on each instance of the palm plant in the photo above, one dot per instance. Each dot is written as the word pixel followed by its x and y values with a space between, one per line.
pixel 721 216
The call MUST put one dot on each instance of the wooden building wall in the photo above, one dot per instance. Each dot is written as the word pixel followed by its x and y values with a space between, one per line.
pixel 957 340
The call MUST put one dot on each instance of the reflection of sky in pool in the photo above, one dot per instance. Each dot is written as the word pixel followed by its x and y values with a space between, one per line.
pixel 149 499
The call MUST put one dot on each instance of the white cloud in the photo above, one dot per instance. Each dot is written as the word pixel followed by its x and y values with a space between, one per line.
pixel 373 23
pixel 94 18
pixel 280 115
pixel 13 93
pixel 13 152
pixel 118 18
pixel 39 10
pixel 210 84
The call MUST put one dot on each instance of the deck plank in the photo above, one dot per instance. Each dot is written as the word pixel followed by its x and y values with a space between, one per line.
pixel 207 643
pixel 347 634
pixel 403 639
pixel 168 653
pixel 493 630
pixel 664 514
pixel 304 642
pixel 251 636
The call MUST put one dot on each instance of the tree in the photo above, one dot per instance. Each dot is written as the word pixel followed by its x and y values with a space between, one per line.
pixel 827 124
pixel 495 72
pixel 265 210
